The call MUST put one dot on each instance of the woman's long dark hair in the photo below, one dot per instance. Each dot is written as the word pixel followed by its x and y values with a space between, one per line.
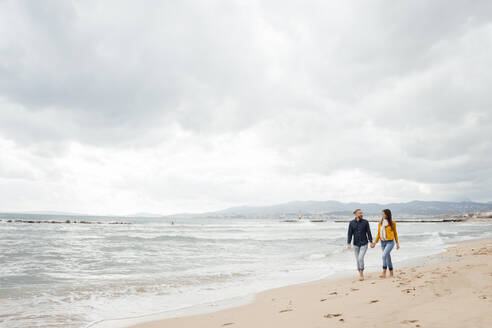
pixel 388 217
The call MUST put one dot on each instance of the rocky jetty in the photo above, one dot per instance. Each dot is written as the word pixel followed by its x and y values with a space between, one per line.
pixel 61 222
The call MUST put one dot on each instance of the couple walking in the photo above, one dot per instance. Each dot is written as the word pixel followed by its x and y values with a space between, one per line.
pixel 360 230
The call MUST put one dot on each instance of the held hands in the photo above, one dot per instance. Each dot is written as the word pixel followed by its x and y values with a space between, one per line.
pixel 373 244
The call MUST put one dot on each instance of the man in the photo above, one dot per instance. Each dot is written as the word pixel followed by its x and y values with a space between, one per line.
pixel 361 231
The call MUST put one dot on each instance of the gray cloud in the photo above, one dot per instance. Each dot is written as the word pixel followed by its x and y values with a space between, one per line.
pixel 398 90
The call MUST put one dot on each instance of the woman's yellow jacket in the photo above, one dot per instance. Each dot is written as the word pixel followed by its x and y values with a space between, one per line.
pixel 390 233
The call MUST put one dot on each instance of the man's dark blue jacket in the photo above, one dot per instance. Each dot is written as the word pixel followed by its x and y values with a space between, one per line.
pixel 361 232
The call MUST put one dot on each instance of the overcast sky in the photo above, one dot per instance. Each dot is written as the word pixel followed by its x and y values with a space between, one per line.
pixel 179 106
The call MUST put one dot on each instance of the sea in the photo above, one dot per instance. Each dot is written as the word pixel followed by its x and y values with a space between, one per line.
pixel 91 275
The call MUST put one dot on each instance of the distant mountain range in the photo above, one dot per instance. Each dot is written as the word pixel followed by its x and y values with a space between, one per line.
pixel 317 207
pixel 339 208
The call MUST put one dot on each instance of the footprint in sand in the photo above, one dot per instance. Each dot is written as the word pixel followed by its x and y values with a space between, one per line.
pixel 354 289
pixel 482 297
pixel 285 310
pixel 481 251
pixel 323 299
pixel 332 315
pixel 228 323
pixel 409 321
pixel 333 293
pixel 373 301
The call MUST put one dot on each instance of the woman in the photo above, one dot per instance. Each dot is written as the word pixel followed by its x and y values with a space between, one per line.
pixel 387 234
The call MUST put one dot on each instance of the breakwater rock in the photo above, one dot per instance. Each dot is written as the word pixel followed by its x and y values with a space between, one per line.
pixel 61 222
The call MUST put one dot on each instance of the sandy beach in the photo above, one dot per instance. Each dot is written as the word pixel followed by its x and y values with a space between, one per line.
pixel 454 290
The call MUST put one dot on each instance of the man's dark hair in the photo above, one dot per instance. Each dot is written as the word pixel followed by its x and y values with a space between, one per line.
pixel 357 210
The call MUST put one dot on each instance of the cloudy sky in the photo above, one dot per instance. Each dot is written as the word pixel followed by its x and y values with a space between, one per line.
pixel 179 106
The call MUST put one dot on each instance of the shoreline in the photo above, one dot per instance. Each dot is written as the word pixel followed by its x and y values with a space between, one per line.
pixel 309 300
pixel 216 307
pixel 230 303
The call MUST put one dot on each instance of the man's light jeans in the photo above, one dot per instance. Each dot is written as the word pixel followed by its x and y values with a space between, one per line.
pixel 360 252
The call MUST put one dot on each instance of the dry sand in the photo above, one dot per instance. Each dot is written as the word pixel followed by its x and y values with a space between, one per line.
pixel 457 292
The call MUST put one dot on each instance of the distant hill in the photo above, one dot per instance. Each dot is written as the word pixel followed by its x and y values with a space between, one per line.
pixel 334 207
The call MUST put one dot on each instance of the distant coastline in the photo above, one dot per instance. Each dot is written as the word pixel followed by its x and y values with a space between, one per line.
pixel 314 210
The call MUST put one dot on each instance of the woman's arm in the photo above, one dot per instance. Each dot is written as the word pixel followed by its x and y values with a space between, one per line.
pixel 378 236
pixel 396 235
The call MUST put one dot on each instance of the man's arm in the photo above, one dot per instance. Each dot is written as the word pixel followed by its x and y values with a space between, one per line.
pixel 369 235
pixel 349 234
